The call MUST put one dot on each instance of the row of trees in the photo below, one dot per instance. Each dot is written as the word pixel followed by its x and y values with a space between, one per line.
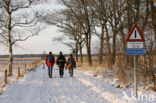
pixel 109 20
pixel 17 23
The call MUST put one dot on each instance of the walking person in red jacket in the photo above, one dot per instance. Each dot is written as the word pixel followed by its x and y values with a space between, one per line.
pixel 50 60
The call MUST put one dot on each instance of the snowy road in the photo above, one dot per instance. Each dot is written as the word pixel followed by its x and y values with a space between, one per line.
pixel 36 87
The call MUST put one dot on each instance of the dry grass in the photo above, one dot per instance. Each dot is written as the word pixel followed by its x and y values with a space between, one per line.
pixel 18 62
pixel 123 72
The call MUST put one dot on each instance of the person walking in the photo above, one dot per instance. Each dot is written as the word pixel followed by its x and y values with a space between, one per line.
pixel 71 64
pixel 61 63
pixel 50 60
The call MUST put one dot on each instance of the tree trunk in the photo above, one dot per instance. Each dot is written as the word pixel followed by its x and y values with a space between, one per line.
pixel 10 60
pixel 101 46
pixel 125 58
pixel 76 51
pixel 88 43
pixel 155 32
pixel 153 11
pixel 81 56
pixel 89 52
pixel 130 24
pixel 87 20
pixel 108 47
pixel 10 45
pixel 114 47
pixel 151 66
pixel 129 15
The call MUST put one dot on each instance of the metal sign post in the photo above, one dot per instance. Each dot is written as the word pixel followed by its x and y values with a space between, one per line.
pixel 135 42
pixel 135 77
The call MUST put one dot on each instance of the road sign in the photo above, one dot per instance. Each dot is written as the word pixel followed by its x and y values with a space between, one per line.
pixel 140 51
pixel 135 44
pixel 135 41
pixel 135 35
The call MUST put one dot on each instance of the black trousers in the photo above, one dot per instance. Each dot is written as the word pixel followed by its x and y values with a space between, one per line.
pixel 61 71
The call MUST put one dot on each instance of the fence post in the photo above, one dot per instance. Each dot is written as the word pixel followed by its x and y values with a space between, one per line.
pixel 95 70
pixel 5 77
pixel 35 64
pixel 30 66
pixel 25 68
pixel 18 73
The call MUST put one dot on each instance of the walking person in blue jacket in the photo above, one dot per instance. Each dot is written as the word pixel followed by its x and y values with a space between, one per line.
pixel 71 64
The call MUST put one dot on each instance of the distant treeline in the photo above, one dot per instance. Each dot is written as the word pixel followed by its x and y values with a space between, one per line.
pixel 41 55
pixel 29 55
pixel 21 56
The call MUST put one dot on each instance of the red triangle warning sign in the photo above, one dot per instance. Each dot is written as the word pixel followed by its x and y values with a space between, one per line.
pixel 135 35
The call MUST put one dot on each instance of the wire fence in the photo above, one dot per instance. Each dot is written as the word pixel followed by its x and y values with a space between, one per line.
pixel 20 67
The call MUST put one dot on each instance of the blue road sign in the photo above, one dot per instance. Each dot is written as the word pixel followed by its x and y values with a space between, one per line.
pixel 138 51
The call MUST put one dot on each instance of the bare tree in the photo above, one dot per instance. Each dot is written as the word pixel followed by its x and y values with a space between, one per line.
pixel 101 21
pixel 71 31
pixel 14 17
pixel 82 11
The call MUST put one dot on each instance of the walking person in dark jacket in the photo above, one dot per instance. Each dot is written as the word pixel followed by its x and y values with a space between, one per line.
pixel 61 62
pixel 71 64
pixel 50 60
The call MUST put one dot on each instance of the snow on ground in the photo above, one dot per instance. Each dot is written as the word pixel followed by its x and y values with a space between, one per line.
pixel 144 95
pixel 37 87
pixel 10 79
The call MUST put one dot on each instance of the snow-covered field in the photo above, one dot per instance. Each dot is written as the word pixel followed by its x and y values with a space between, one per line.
pixel 37 87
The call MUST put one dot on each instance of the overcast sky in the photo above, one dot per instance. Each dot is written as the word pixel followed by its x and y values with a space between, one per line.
pixel 40 43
